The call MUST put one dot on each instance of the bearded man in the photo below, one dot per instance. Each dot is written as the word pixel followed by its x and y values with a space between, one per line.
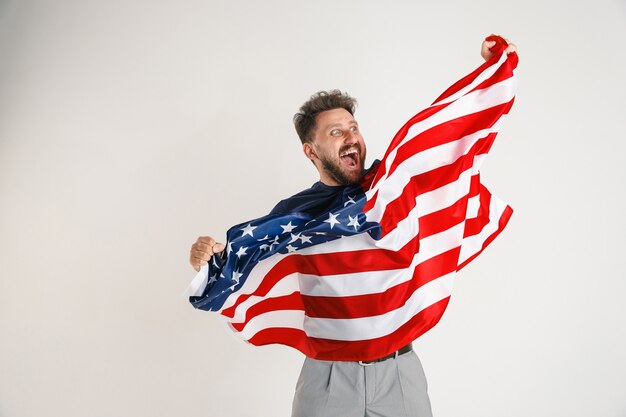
pixel 393 385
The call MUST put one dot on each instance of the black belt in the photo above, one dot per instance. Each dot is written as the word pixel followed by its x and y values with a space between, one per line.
pixel 401 351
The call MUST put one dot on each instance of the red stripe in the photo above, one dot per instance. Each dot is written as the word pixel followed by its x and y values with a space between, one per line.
pixel 294 338
pixel 292 301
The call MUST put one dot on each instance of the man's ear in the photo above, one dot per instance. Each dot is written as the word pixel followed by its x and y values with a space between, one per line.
pixel 308 150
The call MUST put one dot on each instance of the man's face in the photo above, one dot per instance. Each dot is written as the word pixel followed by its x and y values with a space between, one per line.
pixel 337 149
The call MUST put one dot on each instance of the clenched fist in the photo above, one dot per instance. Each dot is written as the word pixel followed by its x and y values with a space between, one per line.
pixel 201 251
pixel 491 41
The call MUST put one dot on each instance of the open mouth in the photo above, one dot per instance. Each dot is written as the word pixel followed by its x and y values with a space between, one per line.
pixel 350 157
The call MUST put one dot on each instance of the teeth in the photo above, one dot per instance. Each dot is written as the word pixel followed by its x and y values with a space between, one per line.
pixel 350 152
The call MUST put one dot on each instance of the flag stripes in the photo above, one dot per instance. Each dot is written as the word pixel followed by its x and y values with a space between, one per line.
pixel 375 289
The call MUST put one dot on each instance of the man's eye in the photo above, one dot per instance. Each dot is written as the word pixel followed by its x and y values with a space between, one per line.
pixel 336 132
pixel 353 129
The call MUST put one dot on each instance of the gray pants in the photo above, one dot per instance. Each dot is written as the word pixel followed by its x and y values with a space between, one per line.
pixel 392 388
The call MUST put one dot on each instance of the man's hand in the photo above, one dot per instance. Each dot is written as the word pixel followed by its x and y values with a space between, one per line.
pixel 201 251
pixel 485 50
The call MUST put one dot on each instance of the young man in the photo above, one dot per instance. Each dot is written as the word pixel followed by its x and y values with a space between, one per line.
pixel 393 385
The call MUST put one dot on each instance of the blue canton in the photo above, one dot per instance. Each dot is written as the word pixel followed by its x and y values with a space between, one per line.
pixel 251 242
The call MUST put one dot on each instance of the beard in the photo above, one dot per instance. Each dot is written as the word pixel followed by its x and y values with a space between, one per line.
pixel 334 168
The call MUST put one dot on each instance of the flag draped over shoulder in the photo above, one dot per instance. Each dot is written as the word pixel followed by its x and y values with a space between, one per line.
pixel 374 270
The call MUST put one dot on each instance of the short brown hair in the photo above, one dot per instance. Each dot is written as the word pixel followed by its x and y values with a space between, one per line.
pixel 304 120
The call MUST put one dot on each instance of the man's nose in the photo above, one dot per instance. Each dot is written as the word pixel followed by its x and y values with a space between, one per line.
pixel 351 137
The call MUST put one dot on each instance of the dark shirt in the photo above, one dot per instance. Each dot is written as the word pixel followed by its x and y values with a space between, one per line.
pixel 315 200
pixel 311 201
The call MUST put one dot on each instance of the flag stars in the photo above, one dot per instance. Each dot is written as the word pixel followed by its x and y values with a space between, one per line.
pixel 291 248
pixel 274 242
pixel 350 200
pixel 332 219
pixel 287 228
pixel 354 221
pixel 305 239
pixel 241 251
pixel 248 230
pixel 236 276
pixel 294 237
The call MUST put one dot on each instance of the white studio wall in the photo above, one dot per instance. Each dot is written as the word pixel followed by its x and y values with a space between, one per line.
pixel 128 128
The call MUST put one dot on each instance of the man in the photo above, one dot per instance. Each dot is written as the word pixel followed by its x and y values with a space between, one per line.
pixel 392 385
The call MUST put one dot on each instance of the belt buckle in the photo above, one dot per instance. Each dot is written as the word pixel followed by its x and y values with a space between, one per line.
pixel 370 363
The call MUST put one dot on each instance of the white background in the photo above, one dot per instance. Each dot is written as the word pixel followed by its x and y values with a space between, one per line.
pixel 128 128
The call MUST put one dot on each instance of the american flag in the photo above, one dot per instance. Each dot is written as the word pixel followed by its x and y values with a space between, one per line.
pixel 375 269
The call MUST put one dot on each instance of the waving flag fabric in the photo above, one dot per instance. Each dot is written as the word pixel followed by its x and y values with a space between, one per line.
pixel 373 270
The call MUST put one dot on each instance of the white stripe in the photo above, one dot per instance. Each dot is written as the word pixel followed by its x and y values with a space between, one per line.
pixel 290 319
pixel 480 158
pixel 473 204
